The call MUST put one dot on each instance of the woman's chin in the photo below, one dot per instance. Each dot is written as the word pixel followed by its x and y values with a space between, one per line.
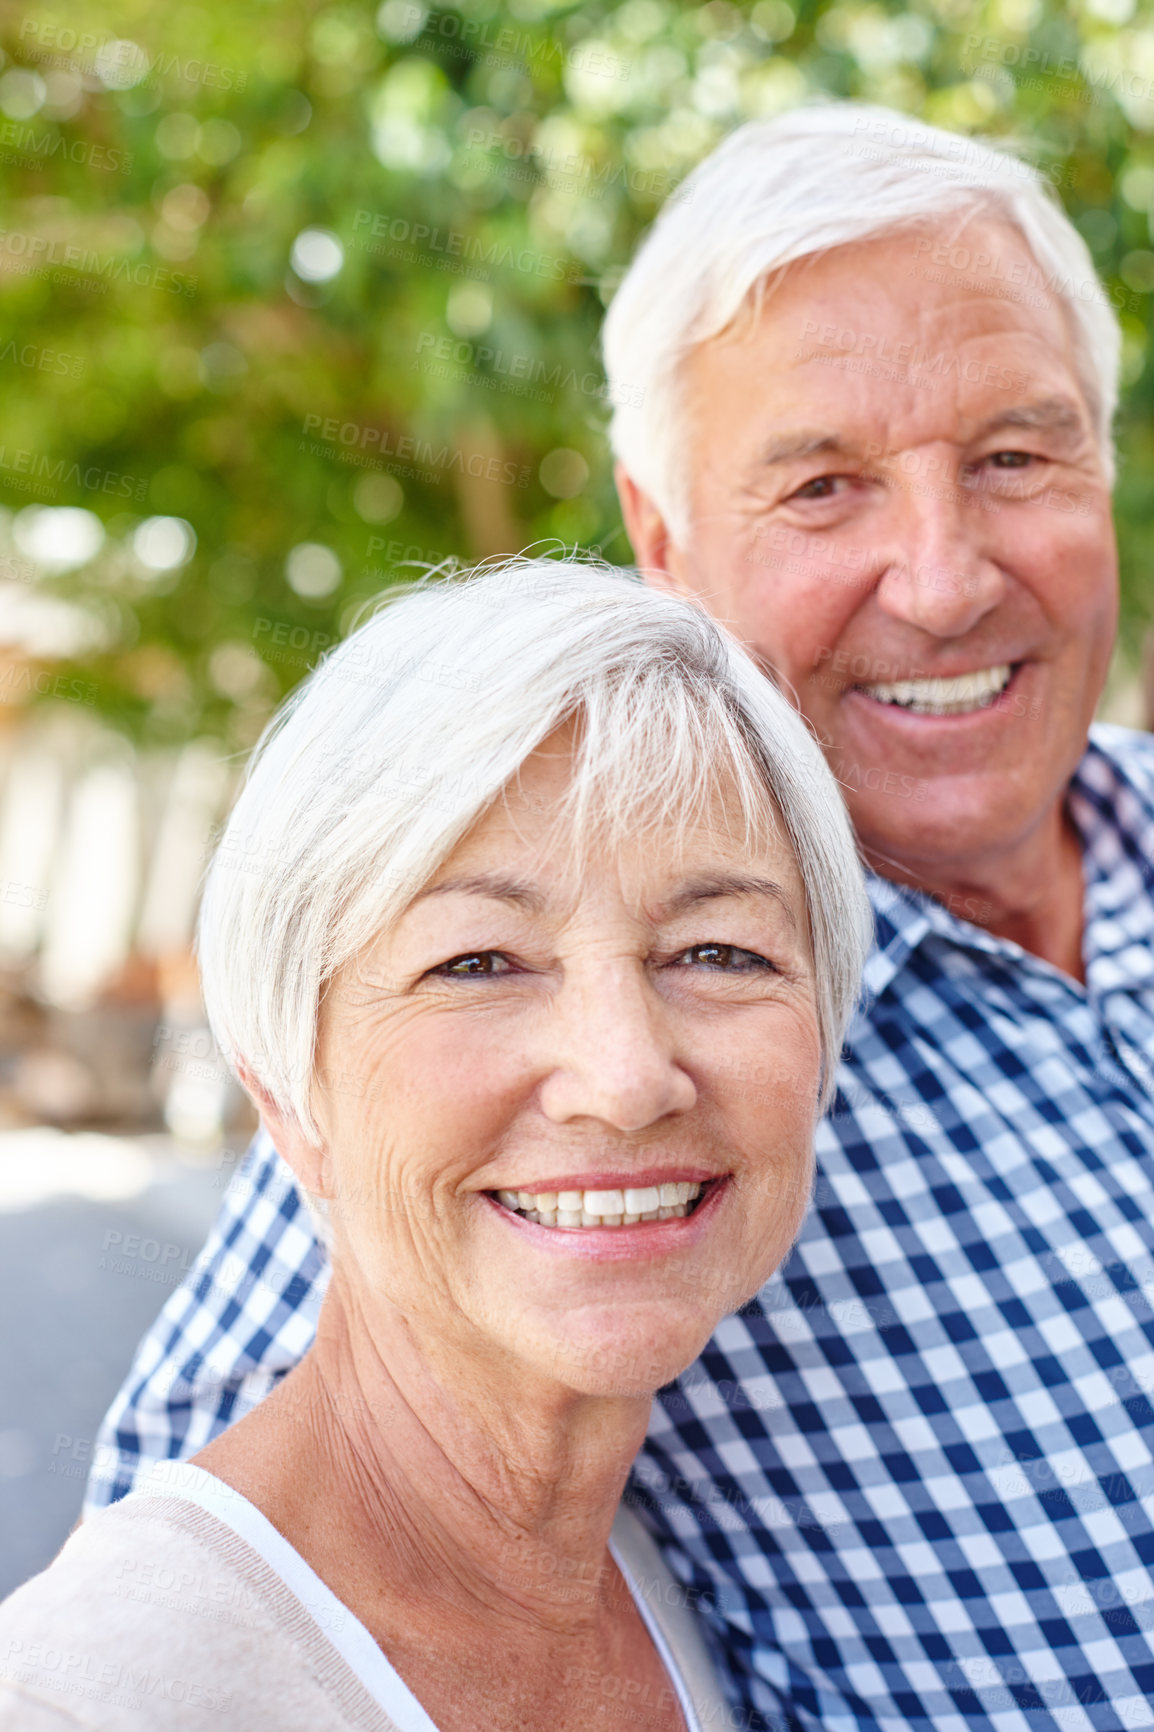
pixel 630 1361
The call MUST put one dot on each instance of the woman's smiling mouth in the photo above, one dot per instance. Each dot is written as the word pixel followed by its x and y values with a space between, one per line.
pixel 612 1206
pixel 604 1232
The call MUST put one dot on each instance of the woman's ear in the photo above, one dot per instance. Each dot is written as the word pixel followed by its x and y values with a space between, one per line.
pixel 307 1159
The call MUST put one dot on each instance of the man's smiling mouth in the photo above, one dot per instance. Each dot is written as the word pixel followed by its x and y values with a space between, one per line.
pixel 943 697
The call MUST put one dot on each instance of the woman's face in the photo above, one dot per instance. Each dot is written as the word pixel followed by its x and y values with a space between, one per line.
pixel 595 1042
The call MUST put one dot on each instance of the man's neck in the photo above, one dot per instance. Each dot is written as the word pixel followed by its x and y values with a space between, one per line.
pixel 1031 893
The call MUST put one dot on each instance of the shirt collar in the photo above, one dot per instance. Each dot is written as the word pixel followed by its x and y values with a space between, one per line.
pixel 1111 801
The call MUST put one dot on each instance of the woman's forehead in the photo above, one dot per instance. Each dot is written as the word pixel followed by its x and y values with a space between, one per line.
pixel 529 842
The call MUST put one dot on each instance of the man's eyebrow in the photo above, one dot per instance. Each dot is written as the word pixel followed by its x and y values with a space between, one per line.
pixel 727 884
pixel 1051 415
pixel 790 447
pixel 496 886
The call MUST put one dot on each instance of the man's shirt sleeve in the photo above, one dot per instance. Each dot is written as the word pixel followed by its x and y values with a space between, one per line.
pixel 245 1315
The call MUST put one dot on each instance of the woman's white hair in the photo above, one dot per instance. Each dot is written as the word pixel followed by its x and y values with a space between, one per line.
pixel 386 755
pixel 782 190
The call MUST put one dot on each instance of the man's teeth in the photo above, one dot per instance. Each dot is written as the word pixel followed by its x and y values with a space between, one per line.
pixel 944 697
pixel 622 1208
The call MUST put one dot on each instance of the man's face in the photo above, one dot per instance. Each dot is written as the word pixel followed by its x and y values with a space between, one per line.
pixel 894 481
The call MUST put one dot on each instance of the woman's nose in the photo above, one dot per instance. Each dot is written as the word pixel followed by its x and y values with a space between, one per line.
pixel 614 1057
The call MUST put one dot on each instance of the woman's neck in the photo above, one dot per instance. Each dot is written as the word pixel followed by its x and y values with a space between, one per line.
pixel 450 1479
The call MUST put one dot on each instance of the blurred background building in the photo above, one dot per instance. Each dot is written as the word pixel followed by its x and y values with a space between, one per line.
pixel 116 1112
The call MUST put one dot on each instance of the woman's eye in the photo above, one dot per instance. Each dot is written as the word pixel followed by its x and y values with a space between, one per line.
pixel 729 957
pixel 476 962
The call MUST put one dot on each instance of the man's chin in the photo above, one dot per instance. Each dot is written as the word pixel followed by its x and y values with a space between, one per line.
pixel 943 832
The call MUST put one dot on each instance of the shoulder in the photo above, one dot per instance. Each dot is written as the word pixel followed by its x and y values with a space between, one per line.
pixel 153 1605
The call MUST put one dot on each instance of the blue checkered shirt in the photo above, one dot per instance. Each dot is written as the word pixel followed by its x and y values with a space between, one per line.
pixel 911 1483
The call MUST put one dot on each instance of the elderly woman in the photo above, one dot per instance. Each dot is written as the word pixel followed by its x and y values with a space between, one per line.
pixel 527 882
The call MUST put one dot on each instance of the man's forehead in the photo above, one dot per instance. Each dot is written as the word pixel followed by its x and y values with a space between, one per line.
pixel 926 264
pixel 881 296
pixel 899 393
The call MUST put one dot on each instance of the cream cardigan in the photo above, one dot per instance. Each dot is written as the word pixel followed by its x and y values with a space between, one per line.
pixel 182 1607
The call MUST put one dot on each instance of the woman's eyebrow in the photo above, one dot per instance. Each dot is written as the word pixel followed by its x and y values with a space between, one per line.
pixel 727 884
pixel 497 886
pixel 501 888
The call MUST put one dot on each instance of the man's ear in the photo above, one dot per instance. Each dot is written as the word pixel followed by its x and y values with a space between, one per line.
pixel 306 1159
pixel 655 552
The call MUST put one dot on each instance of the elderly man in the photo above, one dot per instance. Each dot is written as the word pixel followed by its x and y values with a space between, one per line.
pixel 867 377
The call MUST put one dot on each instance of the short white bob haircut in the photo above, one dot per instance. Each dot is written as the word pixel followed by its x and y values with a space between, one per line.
pixel 390 750
pixel 787 189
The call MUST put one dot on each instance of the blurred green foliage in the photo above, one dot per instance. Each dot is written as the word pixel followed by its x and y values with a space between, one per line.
pixel 458 190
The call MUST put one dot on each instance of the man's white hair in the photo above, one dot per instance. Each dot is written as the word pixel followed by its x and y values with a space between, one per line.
pixel 385 756
pixel 781 190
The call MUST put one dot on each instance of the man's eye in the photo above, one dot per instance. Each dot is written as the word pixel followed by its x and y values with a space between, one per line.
pixel 1010 459
pixel 476 962
pixel 821 487
pixel 723 956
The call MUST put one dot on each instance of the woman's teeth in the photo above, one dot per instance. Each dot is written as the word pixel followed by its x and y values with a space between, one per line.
pixel 622 1208
pixel 951 697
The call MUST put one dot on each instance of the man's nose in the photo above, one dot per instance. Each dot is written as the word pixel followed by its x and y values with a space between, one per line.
pixel 614 1057
pixel 940 576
